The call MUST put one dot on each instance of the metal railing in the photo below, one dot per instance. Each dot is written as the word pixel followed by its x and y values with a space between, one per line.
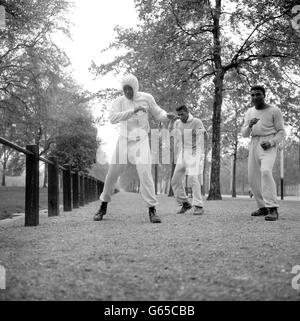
pixel 78 189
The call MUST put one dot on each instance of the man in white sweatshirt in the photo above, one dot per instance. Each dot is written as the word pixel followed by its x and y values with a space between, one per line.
pixel 131 111
pixel 189 149
pixel 265 125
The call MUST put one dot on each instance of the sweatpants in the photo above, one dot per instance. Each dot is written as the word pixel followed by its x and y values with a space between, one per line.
pixel 260 165
pixel 137 153
pixel 193 169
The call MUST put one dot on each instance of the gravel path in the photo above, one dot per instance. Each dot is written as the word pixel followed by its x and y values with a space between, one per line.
pixel 223 255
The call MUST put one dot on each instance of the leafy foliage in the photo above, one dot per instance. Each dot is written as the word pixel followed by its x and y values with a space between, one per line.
pixel 76 142
pixel 184 49
pixel 37 95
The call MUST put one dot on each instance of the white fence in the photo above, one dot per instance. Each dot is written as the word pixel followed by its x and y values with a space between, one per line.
pixel 292 190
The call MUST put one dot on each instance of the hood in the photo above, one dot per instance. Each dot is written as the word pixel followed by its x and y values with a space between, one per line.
pixel 131 81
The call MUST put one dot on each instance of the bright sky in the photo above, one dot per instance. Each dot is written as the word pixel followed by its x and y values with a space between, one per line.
pixel 94 22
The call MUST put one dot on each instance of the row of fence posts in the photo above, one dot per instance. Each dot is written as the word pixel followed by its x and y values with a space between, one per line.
pixel 78 189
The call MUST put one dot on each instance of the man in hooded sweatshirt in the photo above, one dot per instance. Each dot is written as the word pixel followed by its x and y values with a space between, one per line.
pixel 131 111
pixel 264 123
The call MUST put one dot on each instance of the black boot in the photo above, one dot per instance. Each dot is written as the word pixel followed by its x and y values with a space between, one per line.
pixel 185 207
pixel 273 214
pixel 101 212
pixel 154 218
pixel 263 211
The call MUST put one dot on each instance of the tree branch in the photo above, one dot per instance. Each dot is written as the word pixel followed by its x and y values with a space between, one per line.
pixel 234 59
pixel 289 79
pixel 205 75
pixel 202 29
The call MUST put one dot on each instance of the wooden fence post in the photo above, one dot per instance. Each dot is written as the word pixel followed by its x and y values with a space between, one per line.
pixel 75 182
pixel 90 189
pixel 53 188
pixel 97 189
pixel 93 190
pixel 86 190
pixel 67 188
pixel 82 191
pixel 32 187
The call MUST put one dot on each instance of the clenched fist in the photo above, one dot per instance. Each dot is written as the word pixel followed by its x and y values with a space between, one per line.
pixel 172 116
pixel 266 145
pixel 253 121
pixel 139 108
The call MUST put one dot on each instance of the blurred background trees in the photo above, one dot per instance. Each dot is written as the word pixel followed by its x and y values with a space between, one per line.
pixel 207 54
pixel 40 102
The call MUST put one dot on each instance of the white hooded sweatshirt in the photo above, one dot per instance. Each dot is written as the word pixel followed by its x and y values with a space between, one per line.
pixel 131 124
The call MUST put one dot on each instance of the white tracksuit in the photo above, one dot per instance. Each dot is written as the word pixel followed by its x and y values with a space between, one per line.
pixel 189 159
pixel 270 127
pixel 133 143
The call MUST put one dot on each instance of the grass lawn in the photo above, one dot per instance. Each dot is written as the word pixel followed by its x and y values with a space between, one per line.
pixel 12 200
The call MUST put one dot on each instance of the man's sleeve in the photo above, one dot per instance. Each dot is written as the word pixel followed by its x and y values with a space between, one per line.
pixel 199 128
pixel 199 132
pixel 245 128
pixel 116 114
pixel 279 126
pixel 156 111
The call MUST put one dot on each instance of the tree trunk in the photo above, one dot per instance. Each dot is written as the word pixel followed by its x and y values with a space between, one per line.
pixel 171 193
pixel 215 192
pixel 203 189
pixel 60 181
pixel 234 171
pixel 155 178
pixel 172 157
pixel 3 173
pixel 167 187
pixel 299 161
pixel 45 175
pixel 235 158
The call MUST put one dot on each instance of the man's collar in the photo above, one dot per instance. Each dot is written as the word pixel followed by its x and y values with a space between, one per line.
pixel 191 117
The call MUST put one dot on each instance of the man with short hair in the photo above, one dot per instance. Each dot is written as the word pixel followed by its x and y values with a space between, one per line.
pixel 131 111
pixel 264 123
pixel 189 147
